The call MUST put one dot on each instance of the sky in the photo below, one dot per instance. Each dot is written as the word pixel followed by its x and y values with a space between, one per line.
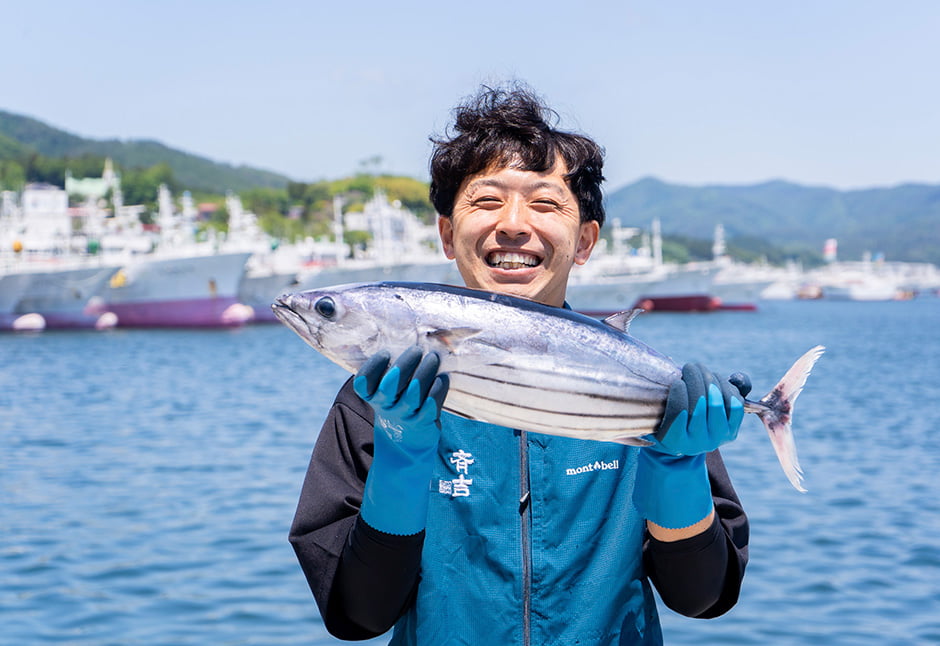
pixel 837 93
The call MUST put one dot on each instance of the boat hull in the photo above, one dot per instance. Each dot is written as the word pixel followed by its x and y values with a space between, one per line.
pixel 180 291
pixel 193 312
pixel 66 298
pixel 12 288
pixel 739 295
pixel 58 294
pixel 680 303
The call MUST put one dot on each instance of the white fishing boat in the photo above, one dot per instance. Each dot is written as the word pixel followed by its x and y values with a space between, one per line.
pixel 12 283
pixel 180 282
pixel 675 288
pixel 64 294
pixel 864 280
pixel 272 266
pixel 743 286
pixel 402 248
pixel 48 278
pixel 854 282
pixel 913 278
pixel 177 288
pixel 12 287
pixel 620 277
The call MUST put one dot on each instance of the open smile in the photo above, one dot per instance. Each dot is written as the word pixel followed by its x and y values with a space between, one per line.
pixel 512 260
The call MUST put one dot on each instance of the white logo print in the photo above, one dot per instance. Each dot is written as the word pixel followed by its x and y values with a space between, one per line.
pixel 459 486
pixel 461 460
pixel 593 466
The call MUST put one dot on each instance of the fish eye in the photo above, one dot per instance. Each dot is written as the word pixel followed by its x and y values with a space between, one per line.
pixel 325 307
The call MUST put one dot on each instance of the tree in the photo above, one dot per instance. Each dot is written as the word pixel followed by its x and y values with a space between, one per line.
pixel 139 186
pixel 266 201
pixel 44 169
pixel 12 175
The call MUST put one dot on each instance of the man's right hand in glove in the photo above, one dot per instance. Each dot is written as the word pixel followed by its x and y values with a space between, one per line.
pixel 406 399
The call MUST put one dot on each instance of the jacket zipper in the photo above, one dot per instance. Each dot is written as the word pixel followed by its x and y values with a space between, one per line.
pixel 525 518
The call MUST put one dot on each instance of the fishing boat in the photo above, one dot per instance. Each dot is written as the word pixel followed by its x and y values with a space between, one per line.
pixel 168 278
pixel 734 285
pixel 64 294
pixel 741 287
pixel 402 248
pixel 271 267
pixel 665 289
pixel 850 281
pixel 176 288
pixel 620 277
pixel 48 276
pixel 12 287
pixel 868 279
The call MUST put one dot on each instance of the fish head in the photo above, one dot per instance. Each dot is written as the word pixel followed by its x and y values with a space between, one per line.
pixel 348 323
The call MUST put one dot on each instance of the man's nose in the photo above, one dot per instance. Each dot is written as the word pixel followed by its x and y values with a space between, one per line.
pixel 514 220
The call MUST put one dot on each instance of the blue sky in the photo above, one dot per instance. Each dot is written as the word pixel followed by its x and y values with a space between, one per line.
pixel 832 93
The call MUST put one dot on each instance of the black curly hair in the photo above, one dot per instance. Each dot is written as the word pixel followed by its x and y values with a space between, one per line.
pixel 513 127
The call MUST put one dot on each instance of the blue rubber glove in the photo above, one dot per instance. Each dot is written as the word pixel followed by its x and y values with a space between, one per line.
pixel 407 400
pixel 703 412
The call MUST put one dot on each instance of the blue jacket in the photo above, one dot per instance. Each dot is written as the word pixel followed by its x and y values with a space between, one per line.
pixel 531 539
pixel 561 565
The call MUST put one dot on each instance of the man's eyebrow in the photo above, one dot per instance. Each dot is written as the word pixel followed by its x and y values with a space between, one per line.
pixel 548 185
pixel 531 188
pixel 486 181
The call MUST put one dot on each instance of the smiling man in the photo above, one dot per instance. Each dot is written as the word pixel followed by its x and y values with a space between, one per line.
pixel 453 531
pixel 518 232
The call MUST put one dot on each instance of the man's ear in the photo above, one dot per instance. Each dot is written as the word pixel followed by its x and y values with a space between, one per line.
pixel 445 227
pixel 588 234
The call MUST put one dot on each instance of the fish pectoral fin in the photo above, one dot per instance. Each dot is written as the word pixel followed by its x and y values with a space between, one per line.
pixel 621 320
pixel 450 337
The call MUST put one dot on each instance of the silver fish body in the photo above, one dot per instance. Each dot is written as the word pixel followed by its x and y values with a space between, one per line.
pixel 511 362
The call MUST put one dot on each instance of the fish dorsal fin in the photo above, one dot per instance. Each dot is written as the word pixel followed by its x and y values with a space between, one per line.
pixel 621 320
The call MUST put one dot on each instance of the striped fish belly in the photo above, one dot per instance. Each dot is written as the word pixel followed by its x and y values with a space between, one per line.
pixel 543 396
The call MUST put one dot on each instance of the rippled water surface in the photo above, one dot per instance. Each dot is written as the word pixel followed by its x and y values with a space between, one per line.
pixel 148 480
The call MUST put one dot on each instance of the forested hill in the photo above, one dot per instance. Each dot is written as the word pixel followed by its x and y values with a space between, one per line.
pixel 21 135
pixel 903 222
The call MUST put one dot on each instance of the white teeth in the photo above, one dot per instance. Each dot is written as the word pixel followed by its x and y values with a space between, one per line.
pixel 511 260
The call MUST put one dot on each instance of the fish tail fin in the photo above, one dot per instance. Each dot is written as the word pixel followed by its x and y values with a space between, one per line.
pixel 775 410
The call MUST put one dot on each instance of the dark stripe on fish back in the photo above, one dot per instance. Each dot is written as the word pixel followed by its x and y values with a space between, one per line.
pixel 510 301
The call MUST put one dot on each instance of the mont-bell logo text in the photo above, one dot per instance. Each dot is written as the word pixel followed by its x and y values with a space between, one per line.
pixel 593 466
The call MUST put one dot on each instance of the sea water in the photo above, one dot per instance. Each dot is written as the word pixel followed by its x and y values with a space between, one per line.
pixel 148 480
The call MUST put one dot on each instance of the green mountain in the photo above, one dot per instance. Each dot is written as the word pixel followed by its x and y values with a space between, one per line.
pixel 10 148
pixel 903 222
pixel 21 135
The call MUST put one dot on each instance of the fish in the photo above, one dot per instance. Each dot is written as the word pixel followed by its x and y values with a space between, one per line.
pixel 521 364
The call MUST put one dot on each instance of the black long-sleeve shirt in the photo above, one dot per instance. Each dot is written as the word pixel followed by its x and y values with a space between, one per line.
pixel 364 579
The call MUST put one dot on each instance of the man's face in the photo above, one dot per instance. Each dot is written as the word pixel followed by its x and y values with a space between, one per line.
pixel 518 232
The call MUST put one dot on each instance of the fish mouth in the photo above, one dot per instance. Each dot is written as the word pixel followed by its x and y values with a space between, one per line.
pixel 281 306
pixel 512 260
pixel 284 311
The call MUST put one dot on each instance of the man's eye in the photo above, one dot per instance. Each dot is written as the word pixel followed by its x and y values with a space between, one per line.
pixel 487 201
